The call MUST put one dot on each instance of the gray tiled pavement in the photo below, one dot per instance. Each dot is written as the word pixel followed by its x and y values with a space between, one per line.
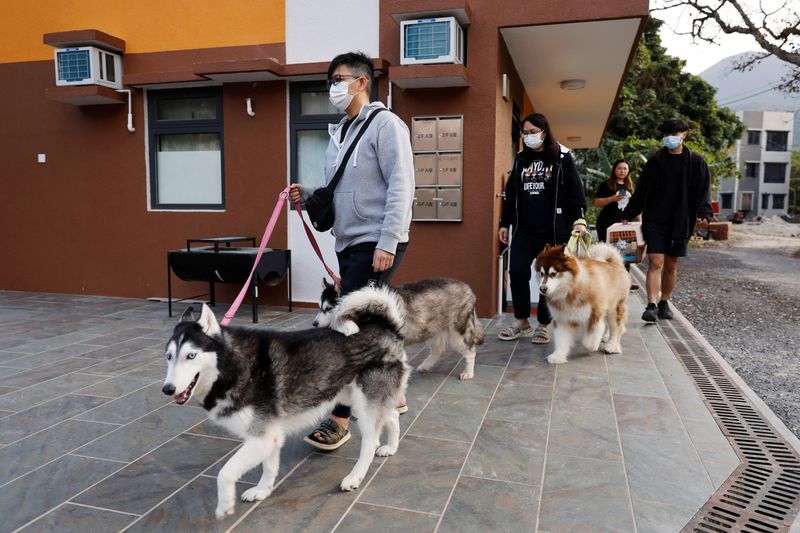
pixel 604 443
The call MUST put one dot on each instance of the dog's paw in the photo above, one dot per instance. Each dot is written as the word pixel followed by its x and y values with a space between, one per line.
pixel 255 494
pixel 465 375
pixel 556 359
pixel 611 348
pixel 349 483
pixel 224 509
pixel 424 367
pixel 386 451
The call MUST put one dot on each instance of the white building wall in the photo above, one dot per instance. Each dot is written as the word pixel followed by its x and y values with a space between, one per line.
pixel 762 121
pixel 319 30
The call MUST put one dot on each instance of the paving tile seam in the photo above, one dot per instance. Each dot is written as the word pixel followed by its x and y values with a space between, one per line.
pixel 98 508
pixel 675 407
pixel 397 509
pixel 64 504
pixel 119 427
pixel 62 455
pixel 211 436
pixel 475 437
pixel 73 417
pixel 621 451
pixel 402 436
pixel 443 439
pixel 209 476
pixel 258 503
pixel 499 480
pixel 78 371
pixel 189 482
pixel 546 448
pixel 126 463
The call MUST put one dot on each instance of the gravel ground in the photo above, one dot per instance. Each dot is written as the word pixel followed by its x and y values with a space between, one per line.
pixel 743 295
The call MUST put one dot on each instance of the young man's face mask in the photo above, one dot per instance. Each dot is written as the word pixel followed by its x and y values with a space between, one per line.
pixel 672 141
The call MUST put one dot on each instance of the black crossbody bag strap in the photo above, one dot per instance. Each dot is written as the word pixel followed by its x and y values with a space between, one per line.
pixel 339 171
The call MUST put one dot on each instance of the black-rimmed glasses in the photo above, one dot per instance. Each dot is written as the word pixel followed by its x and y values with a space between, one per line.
pixel 336 78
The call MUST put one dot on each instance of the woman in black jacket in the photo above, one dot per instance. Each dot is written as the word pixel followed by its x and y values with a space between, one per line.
pixel 613 195
pixel 544 202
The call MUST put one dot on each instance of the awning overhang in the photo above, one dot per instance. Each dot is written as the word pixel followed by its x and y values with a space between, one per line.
pixel 597 52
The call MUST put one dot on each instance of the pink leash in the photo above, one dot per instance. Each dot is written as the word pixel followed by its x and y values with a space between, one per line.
pixel 267 234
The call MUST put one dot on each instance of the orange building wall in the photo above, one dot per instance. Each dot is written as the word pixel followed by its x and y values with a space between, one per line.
pixel 144 25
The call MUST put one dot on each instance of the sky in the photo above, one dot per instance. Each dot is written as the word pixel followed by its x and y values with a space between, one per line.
pixel 698 55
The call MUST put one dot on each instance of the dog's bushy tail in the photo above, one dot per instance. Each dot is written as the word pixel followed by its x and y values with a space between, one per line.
pixel 370 304
pixel 602 251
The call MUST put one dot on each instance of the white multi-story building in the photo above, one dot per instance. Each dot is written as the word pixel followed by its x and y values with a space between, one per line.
pixel 764 157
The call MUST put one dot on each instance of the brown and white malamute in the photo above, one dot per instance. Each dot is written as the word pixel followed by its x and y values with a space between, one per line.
pixel 587 297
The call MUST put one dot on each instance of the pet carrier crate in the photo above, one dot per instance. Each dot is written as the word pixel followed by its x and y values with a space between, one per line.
pixel 628 239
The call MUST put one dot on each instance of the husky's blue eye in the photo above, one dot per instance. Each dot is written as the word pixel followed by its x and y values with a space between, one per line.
pixel 191 356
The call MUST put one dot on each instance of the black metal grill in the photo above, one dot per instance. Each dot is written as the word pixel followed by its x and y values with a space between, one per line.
pixel 763 494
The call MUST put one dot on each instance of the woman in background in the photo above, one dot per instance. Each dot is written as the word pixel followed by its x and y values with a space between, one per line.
pixel 613 195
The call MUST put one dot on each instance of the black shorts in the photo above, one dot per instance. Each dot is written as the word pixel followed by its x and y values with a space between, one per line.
pixel 659 241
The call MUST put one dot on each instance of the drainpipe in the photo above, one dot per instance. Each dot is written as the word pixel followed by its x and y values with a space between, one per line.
pixel 249 103
pixel 389 97
pixel 130 113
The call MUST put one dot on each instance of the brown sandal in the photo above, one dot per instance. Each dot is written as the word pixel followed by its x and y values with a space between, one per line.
pixel 328 436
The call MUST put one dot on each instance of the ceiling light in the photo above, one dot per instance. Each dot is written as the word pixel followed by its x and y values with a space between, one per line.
pixel 572 85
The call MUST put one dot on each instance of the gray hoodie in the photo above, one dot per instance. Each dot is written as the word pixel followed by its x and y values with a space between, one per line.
pixel 374 196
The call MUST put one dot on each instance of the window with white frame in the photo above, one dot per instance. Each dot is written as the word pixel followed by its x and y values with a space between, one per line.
pixel 751 170
pixel 727 200
pixel 186 149
pixel 753 137
pixel 778 201
pixel 310 112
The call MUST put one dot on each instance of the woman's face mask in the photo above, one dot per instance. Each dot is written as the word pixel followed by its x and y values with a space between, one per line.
pixel 672 141
pixel 339 96
pixel 533 140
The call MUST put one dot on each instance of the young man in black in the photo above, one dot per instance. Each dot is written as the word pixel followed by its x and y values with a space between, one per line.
pixel 673 195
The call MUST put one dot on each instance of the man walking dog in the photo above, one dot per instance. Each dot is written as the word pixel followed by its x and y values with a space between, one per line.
pixel 372 200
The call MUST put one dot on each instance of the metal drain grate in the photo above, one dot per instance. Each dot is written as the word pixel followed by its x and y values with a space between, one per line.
pixel 763 494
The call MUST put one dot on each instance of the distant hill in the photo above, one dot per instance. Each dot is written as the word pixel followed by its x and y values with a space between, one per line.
pixel 752 90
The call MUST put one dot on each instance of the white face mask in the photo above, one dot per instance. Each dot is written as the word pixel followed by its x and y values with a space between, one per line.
pixel 339 96
pixel 533 140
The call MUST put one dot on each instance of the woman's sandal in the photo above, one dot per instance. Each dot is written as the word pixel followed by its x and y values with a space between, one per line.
pixel 328 436
pixel 540 335
pixel 514 331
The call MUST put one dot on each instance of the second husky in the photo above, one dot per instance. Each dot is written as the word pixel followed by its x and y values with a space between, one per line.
pixel 263 385
pixel 439 311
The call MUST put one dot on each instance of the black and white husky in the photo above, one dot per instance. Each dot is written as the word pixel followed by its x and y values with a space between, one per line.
pixel 437 311
pixel 264 385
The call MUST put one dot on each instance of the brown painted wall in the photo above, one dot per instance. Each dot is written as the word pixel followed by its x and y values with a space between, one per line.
pixel 79 223
pixel 468 250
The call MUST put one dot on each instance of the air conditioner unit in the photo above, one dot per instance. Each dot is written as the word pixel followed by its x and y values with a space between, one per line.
pixel 434 40
pixel 87 65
